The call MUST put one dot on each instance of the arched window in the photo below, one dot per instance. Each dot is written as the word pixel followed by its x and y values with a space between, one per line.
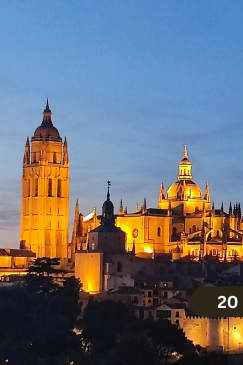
pixel 159 232
pixel 54 157
pixel 49 187
pixel 36 187
pixel 119 266
pixel 34 157
pixel 59 188
pixel 27 192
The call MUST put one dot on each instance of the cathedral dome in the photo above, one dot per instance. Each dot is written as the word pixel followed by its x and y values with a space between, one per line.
pixel 192 190
pixel 46 131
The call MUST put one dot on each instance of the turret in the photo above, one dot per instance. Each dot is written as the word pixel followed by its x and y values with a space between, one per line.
pixel 230 209
pixel 121 210
pixel 26 160
pixel 137 208
pixel 222 209
pixel 75 230
pixel 65 151
pixel 161 194
pixel 207 193
pixel 144 205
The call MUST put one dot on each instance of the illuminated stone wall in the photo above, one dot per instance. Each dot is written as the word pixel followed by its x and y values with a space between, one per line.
pixel 215 334
pixel 45 200
pixel 89 270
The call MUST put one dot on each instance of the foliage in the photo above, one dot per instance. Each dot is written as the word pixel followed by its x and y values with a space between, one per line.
pixel 112 335
pixel 37 322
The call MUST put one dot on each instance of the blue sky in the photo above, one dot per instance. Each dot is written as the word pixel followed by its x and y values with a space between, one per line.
pixel 129 83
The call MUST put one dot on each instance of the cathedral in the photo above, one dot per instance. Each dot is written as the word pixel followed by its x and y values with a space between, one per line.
pixel 184 224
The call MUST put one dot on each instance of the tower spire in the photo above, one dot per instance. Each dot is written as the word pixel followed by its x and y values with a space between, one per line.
pixel 47 105
pixel 108 217
pixel 47 115
pixel 108 189
pixel 185 152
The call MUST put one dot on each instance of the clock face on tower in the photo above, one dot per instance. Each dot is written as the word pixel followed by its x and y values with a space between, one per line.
pixel 135 233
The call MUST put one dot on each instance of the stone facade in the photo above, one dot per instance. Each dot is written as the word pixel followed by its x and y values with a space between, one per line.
pixel 45 192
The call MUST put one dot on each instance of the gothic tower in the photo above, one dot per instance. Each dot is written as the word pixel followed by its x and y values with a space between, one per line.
pixel 45 192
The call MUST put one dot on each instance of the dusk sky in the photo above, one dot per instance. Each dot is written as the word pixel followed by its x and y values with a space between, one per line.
pixel 129 83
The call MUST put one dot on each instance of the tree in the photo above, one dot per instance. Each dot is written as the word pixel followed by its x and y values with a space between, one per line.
pixel 38 327
pixel 113 336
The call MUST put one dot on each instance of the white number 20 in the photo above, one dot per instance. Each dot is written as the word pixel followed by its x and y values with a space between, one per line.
pixel 232 302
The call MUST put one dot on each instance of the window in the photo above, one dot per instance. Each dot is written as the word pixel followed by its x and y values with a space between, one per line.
pixel 135 300
pixel 54 157
pixel 36 187
pixel 214 252
pixel 59 188
pixel 177 322
pixel 233 253
pixel 177 314
pixel 119 266
pixel 27 187
pixel 195 252
pixel 159 232
pixel 166 294
pixel 194 228
pixel 155 301
pixel 162 314
pixel 49 187
pixel 34 157
pixel 149 294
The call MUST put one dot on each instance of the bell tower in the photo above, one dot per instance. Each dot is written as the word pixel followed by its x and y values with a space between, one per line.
pixel 45 192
